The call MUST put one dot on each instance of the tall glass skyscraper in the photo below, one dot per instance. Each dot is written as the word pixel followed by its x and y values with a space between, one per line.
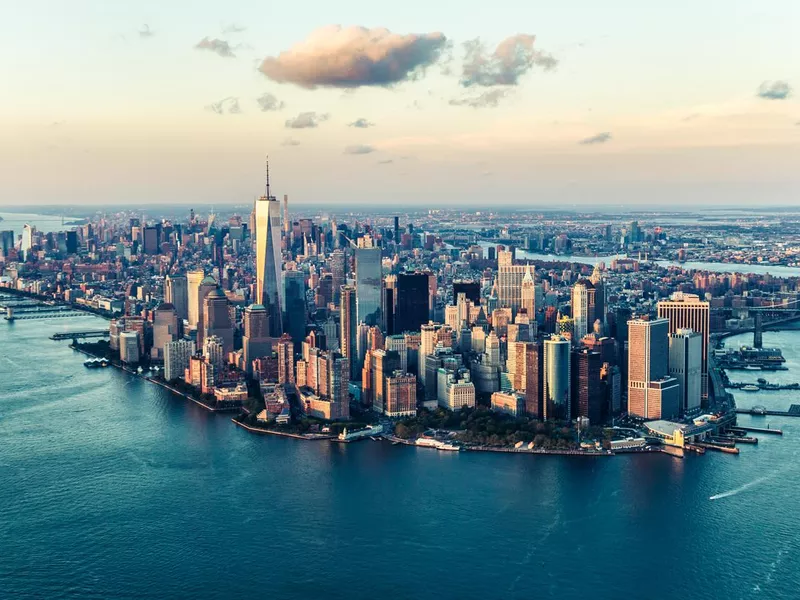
pixel 294 283
pixel 557 379
pixel 268 258
pixel 368 282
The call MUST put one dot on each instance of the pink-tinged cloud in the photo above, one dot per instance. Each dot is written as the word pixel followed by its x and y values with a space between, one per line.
pixel 512 58
pixel 351 57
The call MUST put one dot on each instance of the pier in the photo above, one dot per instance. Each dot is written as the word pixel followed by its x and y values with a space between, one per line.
pixel 760 411
pixel 740 429
pixel 95 333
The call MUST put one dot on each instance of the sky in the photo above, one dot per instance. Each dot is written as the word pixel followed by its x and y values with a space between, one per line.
pixel 576 102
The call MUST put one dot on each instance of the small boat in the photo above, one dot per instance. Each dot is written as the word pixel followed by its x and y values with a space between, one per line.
pixel 750 388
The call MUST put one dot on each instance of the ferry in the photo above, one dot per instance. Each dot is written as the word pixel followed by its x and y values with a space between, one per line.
pixel 358 434
pixel 750 388
pixel 94 363
pixel 437 444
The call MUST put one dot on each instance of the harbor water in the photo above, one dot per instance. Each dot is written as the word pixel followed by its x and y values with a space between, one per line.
pixel 111 487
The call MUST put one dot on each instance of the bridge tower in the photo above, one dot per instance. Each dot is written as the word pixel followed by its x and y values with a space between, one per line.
pixel 758 330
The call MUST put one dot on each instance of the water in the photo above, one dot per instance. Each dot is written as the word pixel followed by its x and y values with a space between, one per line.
pixel 43 223
pixel 713 267
pixel 112 488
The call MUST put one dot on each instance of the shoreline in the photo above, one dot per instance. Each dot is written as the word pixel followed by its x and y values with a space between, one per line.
pixel 162 384
pixel 297 436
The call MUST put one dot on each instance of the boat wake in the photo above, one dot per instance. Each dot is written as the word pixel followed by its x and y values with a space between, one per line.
pixel 739 490
pixel 747 486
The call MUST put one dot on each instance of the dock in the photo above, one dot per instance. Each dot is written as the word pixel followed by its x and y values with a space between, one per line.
pixel 740 429
pixel 760 411
pixel 80 334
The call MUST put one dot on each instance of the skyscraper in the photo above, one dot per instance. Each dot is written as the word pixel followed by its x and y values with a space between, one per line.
pixel 268 258
pixel 217 320
pixel 588 392
pixel 27 241
pixel 368 282
pixel 687 311
pixel 509 281
pixel 338 259
pixel 411 302
pixel 176 292
pixel 556 386
pixel 193 278
pixel 652 393
pixel 256 341
pixel 534 384
pixel 207 285
pixel 348 327
pixel 165 329
pixel 294 283
pixel 686 365
pixel 528 294
pixel 583 305
pixel 285 347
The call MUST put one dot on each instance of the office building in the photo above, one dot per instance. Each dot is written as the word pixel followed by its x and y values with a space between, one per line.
pixel 166 328
pixel 583 308
pixel 534 384
pixel 509 282
pixel 687 311
pixel 652 393
pixel 129 347
pixel 256 341
pixel 471 289
pixel 411 302
pixel 368 282
pixel 588 390
pixel 557 382
pixel 217 320
pixel 268 258
pixel 176 292
pixel 295 305
pixel 512 403
pixel 686 365
pixel 401 395
pixel 194 279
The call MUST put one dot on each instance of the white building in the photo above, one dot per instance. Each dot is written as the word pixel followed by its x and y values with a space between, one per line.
pixel 176 358
pixel 129 347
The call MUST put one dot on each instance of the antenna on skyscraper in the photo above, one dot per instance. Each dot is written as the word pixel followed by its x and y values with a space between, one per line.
pixel 267 177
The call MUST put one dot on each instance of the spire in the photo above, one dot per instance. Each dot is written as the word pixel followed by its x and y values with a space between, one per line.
pixel 267 194
pixel 528 277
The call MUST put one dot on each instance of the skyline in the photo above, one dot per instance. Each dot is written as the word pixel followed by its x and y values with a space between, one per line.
pixel 141 105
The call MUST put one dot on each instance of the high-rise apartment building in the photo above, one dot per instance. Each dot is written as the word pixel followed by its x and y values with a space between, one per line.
pixel 285 349
pixel 652 393
pixel 687 311
pixel 176 358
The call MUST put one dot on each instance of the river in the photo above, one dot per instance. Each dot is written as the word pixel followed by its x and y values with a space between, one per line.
pixel 44 223
pixel 714 267
pixel 112 488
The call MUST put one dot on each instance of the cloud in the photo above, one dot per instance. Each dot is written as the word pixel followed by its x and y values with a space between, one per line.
pixel 774 90
pixel 233 28
pixel 512 58
pixel 269 102
pixel 388 161
pixel 484 100
pixel 306 120
pixel 229 105
pixel 359 149
pixel 290 142
pixel 220 47
pixel 145 32
pixel 361 123
pixel 600 138
pixel 353 57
